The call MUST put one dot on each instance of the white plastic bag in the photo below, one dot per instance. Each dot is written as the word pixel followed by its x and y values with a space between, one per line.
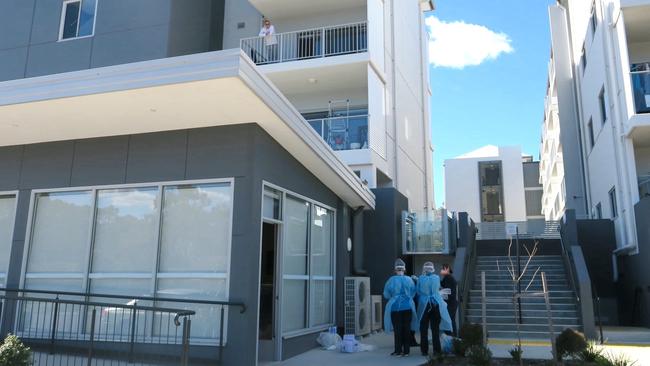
pixel 349 344
pixel 447 343
pixel 329 341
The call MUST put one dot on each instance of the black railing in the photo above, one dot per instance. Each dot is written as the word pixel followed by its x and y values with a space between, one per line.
pixel 72 327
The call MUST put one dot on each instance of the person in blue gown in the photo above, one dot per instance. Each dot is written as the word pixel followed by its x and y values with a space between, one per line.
pixel 400 316
pixel 432 310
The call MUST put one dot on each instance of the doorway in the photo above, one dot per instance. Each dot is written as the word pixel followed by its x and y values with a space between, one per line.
pixel 268 292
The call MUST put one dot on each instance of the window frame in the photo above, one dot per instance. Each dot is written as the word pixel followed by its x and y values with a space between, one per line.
pixel 590 131
pixel 155 275
pixel 62 20
pixel 5 274
pixel 613 202
pixel 599 211
pixel 309 277
pixel 583 59
pixel 602 105
pixel 593 20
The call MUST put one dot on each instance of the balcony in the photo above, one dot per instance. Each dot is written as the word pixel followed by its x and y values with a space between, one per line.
pixel 343 133
pixel 427 232
pixel 307 44
pixel 640 75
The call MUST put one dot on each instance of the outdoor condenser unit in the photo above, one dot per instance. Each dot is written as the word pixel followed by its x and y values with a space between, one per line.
pixel 377 313
pixel 358 308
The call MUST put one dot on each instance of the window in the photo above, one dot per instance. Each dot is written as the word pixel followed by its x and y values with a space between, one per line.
pixel 593 21
pixel 77 19
pixel 590 130
pixel 307 261
pixel 7 215
pixel 166 240
pixel 612 202
pixel 602 104
pixel 599 211
pixel 583 59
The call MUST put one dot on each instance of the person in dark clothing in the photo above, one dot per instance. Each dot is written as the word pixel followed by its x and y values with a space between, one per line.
pixel 451 296
pixel 399 315
pixel 432 310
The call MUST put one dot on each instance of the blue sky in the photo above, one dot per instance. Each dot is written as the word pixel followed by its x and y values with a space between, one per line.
pixel 488 76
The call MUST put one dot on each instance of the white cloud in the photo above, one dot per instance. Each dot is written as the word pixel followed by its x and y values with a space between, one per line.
pixel 458 44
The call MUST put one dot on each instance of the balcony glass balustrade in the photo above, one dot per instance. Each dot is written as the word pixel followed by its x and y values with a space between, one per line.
pixel 343 133
pixel 641 87
pixel 307 44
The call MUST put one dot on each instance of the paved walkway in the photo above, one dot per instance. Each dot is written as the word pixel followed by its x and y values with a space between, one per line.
pixel 633 342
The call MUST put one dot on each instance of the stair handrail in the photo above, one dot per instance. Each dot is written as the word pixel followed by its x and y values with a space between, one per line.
pixel 468 275
pixel 568 265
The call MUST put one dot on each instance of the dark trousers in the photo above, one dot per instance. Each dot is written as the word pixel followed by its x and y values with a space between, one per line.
pixel 402 330
pixel 430 319
pixel 451 308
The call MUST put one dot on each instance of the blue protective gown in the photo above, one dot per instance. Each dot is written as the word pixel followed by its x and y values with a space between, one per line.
pixel 428 293
pixel 399 291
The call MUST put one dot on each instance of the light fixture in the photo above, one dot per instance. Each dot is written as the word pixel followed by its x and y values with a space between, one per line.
pixel 349 245
pixel 312 80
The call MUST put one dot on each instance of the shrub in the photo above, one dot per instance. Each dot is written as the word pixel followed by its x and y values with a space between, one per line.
pixel 479 355
pixel 616 360
pixel 459 347
pixel 472 334
pixel 591 354
pixel 516 353
pixel 570 343
pixel 13 352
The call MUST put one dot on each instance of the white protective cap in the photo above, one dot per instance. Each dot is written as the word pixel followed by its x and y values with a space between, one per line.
pixel 400 265
pixel 428 267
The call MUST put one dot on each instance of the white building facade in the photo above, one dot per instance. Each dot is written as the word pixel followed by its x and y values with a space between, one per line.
pixel 598 108
pixel 370 102
pixel 494 184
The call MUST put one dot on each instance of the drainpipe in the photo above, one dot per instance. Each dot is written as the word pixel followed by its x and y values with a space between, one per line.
pixel 619 137
pixel 425 122
pixel 394 93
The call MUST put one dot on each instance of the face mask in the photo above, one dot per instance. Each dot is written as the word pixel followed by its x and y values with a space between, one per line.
pixel 400 273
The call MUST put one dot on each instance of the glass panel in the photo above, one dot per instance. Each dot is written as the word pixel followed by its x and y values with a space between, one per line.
pixel 320 311
pixel 35 317
pixel 60 232
pixel 70 20
pixel 125 230
pixel 87 17
pixel 271 205
pixel 295 243
pixel 321 242
pixel 195 228
pixel 294 302
pixel 7 212
pixel 206 322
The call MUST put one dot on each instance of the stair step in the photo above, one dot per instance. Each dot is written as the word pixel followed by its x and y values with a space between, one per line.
pixel 525 320
pixel 525 312
pixel 525 306
pixel 527 327
pixel 504 334
pixel 525 300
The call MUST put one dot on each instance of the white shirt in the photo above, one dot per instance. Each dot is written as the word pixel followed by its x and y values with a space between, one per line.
pixel 269 35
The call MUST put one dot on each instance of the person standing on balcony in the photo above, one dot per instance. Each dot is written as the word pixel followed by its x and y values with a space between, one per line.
pixel 451 295
pixel 270 41
pixel 399 315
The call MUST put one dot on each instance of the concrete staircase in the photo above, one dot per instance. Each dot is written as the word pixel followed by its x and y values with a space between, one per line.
pixel 501 318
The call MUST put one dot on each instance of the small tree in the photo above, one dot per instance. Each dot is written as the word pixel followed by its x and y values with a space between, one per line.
pixel 13 352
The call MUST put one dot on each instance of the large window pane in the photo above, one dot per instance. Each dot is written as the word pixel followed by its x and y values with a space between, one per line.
pixel 7 213
pixel 60 232
pixel 321 242
pixel 295 243
pixel 71 20
pixel 195 228
pixel 125 230
pixel 294 302
pixel 206 322
pixel 320 303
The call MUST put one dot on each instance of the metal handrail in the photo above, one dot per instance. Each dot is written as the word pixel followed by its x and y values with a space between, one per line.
pixel 568 263
pixel 123 297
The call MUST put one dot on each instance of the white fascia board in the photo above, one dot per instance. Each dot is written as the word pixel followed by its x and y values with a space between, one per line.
pixel 28 95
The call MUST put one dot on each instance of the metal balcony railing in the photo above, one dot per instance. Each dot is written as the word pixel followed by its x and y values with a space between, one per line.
pixel 644 186
pixel 426 232
pixel 307 44
pixel 531 229
pixel 641 90
pixel 92 329
pixel 343 133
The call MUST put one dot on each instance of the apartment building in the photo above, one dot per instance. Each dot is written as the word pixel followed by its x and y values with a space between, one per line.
pixel 596 126
pixel 494 184
pixel 164 149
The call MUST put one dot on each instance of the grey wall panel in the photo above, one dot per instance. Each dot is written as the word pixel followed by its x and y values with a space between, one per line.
pixel 190 27
pixel 100 161
pixel 531 174
pixel 15 23
pixel 13 62
pixel 157 157
pixel 10 165
pixel 57 57
pixel 47 20
pixel 22 211
pixel 47 165
pixel 238 11
pixel 129 46
pixel 121 15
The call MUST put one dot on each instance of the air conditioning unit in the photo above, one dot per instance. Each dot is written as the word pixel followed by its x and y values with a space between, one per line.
pixel 358 308
pixel 377 313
